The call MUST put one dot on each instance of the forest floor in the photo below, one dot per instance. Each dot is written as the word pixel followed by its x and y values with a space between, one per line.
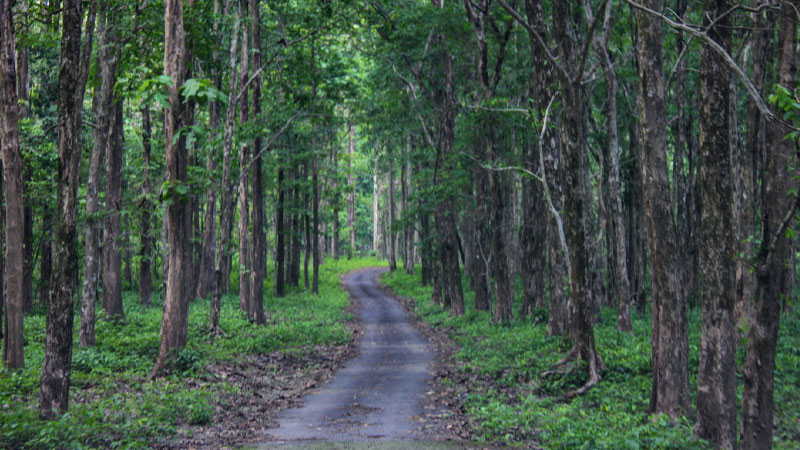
pixel 380 389
pixel 496 374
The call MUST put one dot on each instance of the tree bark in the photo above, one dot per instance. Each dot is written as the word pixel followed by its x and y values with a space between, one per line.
pixel 375 206
pixel 174 324
pixel 575 147
pixel 351 188
pixel 245 252
pixel 670 392
pixel 755 146
pixel 91 278
pixel 13 355
pixel 146 251
pixel 776 182
pixel 54 393
pixel 112 234
pixel 716 382
pixel 280 235
pixel 390 225
pixel 259 261
pixel 223 262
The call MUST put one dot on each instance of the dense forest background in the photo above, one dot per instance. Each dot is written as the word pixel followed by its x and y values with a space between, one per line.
pixel 557 166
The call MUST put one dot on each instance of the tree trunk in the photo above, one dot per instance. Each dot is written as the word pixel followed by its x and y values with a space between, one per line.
pixel 54 394
pixel 112 258
pixel 755 146
pixel 223 251
pixel 375 206
pixel 307 229
pixel 174 325
pixel 426 252
pixel 245 289
pixel 280 235
pixel 146 252
pixel 13 355
pixel 351 187
pixel 91 278
pixel 296 230
pixel 670 393
pixel 716 382
pixel 776 182
pixel 576 176
pixel 259 261
pixel 390 225
pixel 46 262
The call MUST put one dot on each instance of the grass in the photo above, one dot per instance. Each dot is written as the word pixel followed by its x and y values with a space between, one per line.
pixel 510 402
pixel 111 403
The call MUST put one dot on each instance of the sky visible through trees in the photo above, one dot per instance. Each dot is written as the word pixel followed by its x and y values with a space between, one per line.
pixel 580 168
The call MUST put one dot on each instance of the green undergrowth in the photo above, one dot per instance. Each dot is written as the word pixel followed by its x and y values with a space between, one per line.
pixel 509 399
pixel 112 405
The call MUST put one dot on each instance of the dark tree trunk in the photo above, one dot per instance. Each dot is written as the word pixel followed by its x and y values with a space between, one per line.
pixel 575 148
pixel 390 236
pixel 426 251
pixel 112 258
pixel 755 146
pixel 54 394
pixel 503 287
pixel 776 182
pixel 296 229
pixel 716 381
pixel 280 235
pixel 146 251
pixel 670 393
pixel 307 239
pixel 46 262
pixel 14 294
pixel 174 325
pixel 483 249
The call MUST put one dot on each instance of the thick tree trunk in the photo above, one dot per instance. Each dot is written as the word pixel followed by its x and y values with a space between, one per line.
pixel 503 287
pixel 13 356
pixel 776 182
pixel 670 393
pixel 174 325
pixel 483 249
pixel 54 394
pixel 112 234
pixel 46 262
pixel 426 251
pixel 575 147
pixel 146 251
pixel 307 229
pixel 716 381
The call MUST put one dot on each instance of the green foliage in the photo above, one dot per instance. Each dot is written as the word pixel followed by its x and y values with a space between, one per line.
pixel 510 400
pixel 112 405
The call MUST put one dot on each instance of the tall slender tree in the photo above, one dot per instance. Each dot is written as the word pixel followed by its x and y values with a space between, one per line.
pixel 13 356
pixel 174 324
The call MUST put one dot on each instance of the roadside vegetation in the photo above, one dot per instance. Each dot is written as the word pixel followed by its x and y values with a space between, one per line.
pixel 509 400
pixel 114 405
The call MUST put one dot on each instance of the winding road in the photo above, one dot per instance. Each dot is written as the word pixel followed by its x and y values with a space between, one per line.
pixel 376 395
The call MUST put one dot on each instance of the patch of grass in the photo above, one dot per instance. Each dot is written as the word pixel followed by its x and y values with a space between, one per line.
pixel 510 401
pixel 111 403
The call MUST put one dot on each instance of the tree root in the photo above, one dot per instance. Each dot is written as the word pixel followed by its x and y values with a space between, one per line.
pixel 596 366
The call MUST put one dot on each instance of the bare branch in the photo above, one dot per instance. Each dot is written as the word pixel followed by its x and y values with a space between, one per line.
pixel 702 35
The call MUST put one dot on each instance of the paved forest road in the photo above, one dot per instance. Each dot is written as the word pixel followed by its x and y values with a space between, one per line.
pixel 377 394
